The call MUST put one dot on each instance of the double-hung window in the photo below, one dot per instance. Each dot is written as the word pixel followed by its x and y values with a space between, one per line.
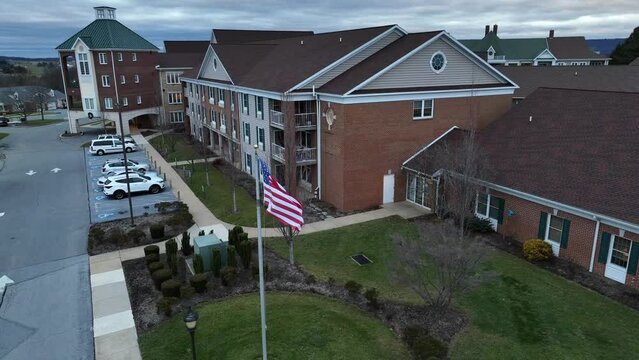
pixel 134 57
pixel 106 81
pixel 88 104
pixel 176 116
pixel 108 103
pixel 222 122
pixel 119 56
pixel 260 138
pixel 220 101
pixel 423 109
pixel 247 133
pixel 173 78
pixel 125 101
pixel 136 78
pixel 84 64
pixel 249 164
pixel 259 107
pixel 139 98
pixel 175 98
pixel 245 104
pixel 122 79
pixel 103 58
pixel 620 252
pixel 555 229
pixel 489 207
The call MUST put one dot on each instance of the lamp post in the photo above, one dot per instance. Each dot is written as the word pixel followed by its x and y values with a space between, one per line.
pixel 190 320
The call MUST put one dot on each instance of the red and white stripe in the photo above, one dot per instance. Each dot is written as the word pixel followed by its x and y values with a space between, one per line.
pixel 280 204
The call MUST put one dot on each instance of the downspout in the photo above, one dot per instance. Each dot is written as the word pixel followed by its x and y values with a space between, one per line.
pixel 318 109
pixel 594 245
pixel 115 84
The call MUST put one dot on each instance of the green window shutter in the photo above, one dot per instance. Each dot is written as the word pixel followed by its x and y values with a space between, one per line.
pixel 603 247
pixel 565 231
pixel 634 257
pixel 543 218
pixel 500 204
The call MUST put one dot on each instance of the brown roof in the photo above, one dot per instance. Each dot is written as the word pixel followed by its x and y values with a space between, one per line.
pixel 606 78
pixel 572 47
pixel 228 36
pixel 580 149
pixel 376 62
pixel 429 88
pixel 259 64
pixel 185 46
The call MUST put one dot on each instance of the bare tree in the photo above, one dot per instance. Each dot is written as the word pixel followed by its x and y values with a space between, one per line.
pixel 438 265
pixel 289 235
pixel 234 172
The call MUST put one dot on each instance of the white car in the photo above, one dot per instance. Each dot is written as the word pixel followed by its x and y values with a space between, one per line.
pixel 106 146
pixel 119 166
pixel 104 178
pixel 127 139
pixel 116 186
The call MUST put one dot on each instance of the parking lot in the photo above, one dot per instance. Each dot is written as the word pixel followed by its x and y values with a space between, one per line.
pixel 105 208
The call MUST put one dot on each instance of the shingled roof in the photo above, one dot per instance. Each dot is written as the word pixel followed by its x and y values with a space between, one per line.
pixel 579 149
pixel 183 54
pixel 108 34
pixel 605 78
pixel 572 47
pixel 230 36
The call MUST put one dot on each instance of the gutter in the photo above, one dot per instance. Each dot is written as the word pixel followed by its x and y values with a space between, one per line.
pixel 594 245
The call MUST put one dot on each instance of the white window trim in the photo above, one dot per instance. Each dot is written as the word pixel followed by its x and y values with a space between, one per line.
pixel 122 79
pixel 108 104
pixel 125 101
pixel 177 97
pixel 430 63
pixel 106 83
pixel 432 109
pixel 102 58
pixel 120 56
pixel 134 57
pixel 139 99
pixel 136 78
pixel 548 221
pixel 173 116
pixel 485 216
pixel 609 262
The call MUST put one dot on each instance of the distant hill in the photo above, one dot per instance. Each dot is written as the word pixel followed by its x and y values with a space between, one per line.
pixel 16 58
pixel 604 46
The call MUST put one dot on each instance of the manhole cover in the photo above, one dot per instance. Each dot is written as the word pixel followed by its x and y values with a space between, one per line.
pixel 361 259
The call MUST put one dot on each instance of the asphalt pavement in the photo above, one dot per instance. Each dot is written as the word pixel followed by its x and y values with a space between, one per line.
pixel 44 221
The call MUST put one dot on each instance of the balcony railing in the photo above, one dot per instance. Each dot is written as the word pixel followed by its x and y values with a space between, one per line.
pixel 302 121
pixel 303 155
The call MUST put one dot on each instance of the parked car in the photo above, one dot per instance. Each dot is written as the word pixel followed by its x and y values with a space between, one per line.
pixel 116 186
pixel 119 166
pixel 4 121
pixel 110 174
pixel 107 146
pixel 127 139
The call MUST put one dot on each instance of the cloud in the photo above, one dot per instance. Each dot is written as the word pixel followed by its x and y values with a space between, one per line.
pixel 35 27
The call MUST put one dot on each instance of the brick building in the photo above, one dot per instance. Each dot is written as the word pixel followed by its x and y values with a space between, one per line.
pixel 563 170
pixel 335 114
pixel 106 66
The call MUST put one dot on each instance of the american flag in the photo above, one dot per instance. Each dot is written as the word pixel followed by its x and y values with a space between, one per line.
pixel 279 203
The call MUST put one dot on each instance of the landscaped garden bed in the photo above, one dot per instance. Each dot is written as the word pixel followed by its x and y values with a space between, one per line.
pixel 178 147
pixel 172 219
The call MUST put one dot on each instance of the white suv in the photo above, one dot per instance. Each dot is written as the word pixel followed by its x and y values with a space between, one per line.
pixel 119 166
pixel 116 186
pixel 127 139
pixel 106 146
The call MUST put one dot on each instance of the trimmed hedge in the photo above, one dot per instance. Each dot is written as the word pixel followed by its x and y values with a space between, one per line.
pixel 216 262
pixel 186 244
pixel 151 249
pixel 160 276
pixel 228 276
pixel 170 288
pixel 151 258
pixel 157 231
pixel 198 264
pixel 245 251
pixel 537 250
pixel 230 256
pixel 136 235
pixel 155 266
pixel 353 287
pixel 198 281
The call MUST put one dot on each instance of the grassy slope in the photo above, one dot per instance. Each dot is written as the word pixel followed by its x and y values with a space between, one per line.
pixel 3 135
pixel 525 312
pixel 183 151
pixel 42 122
pixel 300 327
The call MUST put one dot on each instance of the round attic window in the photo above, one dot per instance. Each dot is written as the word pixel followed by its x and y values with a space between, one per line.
pixel 438 62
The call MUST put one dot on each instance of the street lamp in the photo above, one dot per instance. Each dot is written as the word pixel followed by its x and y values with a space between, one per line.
pixel 190 320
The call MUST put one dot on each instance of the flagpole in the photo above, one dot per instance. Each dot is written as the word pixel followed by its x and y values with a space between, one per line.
pixel 260 252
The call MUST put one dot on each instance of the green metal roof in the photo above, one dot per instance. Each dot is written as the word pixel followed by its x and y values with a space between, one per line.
pixel 512 49
pixel 108 34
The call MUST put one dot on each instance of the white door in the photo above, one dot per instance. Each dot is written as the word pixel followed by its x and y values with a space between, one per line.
pixel 389 188
pixel 618 255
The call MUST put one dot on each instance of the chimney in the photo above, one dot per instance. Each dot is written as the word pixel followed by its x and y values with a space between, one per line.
pixel 487 30
pixel 495 29
pixel 551 34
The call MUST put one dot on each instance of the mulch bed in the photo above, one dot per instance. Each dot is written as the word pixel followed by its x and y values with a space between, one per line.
pixel 571 271
pixel 142 223
pixel 281 276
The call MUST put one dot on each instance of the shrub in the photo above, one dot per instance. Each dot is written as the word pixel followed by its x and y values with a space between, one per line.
pixel 426 347
pixel 478 225
pixel 216 262
pixel 234 235
pixel 372 296
pixel 151 258
pixel 242 237
pixel 157 231
pixel 160 276
pixel 198 281
pixel 96 234
pixel 255 269
pixel 311 279
pixel 228 276
pixel 151 249
pixel 170 288
pixel 173 264
pixel 198 264
pixel 154 266
pixel 171 250
pixel 331 281
pixel 180 218
pixel 118 237
pixel 245 251
pixel 353 287
pixel 164 305
pixel 187 292
pixel 136 235
pixel 231 260
pixel 537 250
pixel 186 244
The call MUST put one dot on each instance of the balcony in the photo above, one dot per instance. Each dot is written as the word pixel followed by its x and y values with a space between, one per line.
pixel 307 121
pixel 303 155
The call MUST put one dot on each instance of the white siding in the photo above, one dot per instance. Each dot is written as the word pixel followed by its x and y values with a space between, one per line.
pixel 254 122
pixel 211 72
pixel 416 72
pixel 355 59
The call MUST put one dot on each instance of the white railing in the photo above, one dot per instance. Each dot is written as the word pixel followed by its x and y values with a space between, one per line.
pixel 305 120
pixel 223 128
pixel 277 152
pixel 211 101
pixel 234 133
pixel 214 124
pixel 221 103
pixel 277 119
pixel 303 155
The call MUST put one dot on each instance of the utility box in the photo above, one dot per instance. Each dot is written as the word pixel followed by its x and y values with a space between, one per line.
pixel 204 246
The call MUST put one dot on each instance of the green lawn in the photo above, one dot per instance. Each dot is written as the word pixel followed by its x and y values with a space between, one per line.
pixel 219 199
pixel 525 312
pixel 182 150
pixel 42 122
pixel 300 327
pixel 3 135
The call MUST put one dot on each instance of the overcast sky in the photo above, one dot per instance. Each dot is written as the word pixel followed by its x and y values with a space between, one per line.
pixel 35 27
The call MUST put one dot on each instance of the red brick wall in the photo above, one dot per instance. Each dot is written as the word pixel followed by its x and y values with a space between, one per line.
pixel 369 139
pixel 524 225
